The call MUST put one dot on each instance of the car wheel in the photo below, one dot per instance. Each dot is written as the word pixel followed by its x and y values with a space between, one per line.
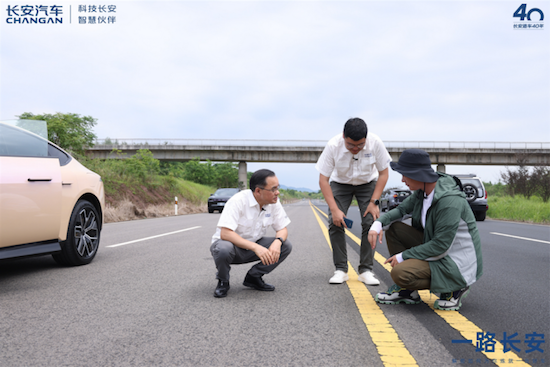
pixel 82 241
pixel 480 216
pixel 210 210
pixel 470 191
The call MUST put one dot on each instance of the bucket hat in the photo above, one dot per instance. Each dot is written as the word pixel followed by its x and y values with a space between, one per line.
pixel 415 164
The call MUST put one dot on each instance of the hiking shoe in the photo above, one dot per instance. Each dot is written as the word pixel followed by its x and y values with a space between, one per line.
pixel 396 295
pixel 451 301
pixel 368 278
pixel 339 277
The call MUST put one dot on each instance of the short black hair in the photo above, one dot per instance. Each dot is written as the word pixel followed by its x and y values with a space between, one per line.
pixel 258 178
pixel 355 129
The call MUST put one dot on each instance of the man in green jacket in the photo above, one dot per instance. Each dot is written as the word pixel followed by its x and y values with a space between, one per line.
pixel 441 251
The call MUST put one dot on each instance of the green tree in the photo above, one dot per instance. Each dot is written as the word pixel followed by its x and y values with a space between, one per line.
pixel 68 130
pixel 226 175
pixel 541 180
pixel 143 164
pixel 198 172
pixel 176 169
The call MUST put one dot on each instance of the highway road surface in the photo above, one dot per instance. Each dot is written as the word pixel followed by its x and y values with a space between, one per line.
pixel 147 300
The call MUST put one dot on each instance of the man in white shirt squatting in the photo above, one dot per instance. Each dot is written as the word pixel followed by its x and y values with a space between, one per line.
pixel 239 236
pixel 356 163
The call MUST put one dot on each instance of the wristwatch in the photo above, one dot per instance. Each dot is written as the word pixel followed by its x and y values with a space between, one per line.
pixel 280 239
pixel 376 202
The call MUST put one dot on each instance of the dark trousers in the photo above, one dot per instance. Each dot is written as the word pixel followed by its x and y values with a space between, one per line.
pixel 225 254
pixel 412 273
pixel 343 195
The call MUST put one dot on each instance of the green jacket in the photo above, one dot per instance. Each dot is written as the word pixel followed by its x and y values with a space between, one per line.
pixel 451 241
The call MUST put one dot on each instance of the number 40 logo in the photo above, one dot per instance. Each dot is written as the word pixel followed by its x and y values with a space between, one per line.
pixel 521 12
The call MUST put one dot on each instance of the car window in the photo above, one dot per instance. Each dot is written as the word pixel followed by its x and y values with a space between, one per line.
pixel 64 158
pixel 226 192
pixel 18 143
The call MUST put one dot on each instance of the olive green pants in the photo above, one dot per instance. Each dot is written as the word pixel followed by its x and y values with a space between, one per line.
pixel 412 273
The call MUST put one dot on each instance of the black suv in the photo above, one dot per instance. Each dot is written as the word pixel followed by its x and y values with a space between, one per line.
pixel 217 200
pixel 475 194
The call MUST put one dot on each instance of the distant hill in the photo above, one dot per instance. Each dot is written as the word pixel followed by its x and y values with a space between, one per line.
pixel 297 188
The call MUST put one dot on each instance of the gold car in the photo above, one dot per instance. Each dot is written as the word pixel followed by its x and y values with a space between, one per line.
pixel 49 202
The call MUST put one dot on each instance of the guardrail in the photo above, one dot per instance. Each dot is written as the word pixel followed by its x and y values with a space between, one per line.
pixel 322 143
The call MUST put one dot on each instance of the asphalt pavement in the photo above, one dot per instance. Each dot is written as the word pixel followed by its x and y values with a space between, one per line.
pixel 147 300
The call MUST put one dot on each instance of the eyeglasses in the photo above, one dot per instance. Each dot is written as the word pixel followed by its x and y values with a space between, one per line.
pixel 358 146
pixel 273 190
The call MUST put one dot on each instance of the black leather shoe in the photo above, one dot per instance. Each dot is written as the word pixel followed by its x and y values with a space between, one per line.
pixel 257 283
pixel 221 289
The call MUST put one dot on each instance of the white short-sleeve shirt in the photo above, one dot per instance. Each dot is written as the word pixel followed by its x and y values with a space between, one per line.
pixel 242 214
pixel 337 163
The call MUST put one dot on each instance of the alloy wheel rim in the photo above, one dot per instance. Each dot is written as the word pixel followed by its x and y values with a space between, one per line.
pixel 86 233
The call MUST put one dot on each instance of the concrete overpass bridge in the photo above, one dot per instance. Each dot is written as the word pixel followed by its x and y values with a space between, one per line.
pixel 442 153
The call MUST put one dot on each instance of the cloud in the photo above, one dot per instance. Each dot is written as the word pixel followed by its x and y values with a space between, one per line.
pixel 287 70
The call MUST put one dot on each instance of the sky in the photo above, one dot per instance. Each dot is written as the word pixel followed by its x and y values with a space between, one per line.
pixel 286 70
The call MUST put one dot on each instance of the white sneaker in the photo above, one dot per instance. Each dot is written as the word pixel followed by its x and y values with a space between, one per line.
pixel 368 278
pixel 339 277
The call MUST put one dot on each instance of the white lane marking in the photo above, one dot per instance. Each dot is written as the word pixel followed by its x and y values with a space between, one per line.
pixel 521 238
pixel 149 238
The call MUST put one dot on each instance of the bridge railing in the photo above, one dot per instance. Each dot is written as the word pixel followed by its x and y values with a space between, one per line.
pixel 321 143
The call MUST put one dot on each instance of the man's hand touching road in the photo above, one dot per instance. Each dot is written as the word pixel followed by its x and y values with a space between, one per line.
pixel 392 260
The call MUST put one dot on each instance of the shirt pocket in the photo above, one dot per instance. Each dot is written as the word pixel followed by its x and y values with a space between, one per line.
pixel 245 228
pixel 342 167
pixel 367 163
pixel 267 221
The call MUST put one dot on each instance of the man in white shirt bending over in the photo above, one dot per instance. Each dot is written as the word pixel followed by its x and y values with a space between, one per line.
pixel 239 236
pixel 356 163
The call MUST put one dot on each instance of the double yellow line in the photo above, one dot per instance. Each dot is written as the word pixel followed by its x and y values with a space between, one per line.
pixel 391 349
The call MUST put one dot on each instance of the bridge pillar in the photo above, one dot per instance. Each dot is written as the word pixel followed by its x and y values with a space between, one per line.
pixel 243 182
pixel 441 168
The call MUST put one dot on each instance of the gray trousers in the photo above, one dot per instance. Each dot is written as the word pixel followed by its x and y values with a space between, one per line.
pixel 343 195
pixel 226 253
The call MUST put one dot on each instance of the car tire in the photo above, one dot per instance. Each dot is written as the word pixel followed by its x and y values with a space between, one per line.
pixel 480 216
pixel 470 191
pixel 210 210
pixel 83 234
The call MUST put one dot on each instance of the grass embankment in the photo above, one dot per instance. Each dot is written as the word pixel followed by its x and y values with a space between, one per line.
pixel 135 190
pixel 519 209
pixel 136 195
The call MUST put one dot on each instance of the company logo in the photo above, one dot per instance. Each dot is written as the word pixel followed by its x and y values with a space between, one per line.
pixel 528 19
pixel 27 14
pixel 53 14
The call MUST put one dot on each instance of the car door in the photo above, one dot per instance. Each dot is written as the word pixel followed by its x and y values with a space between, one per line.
pixel 30 189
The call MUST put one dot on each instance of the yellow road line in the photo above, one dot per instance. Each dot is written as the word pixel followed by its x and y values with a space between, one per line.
pixel 457 321
pixel 469 331
pixel 391 349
